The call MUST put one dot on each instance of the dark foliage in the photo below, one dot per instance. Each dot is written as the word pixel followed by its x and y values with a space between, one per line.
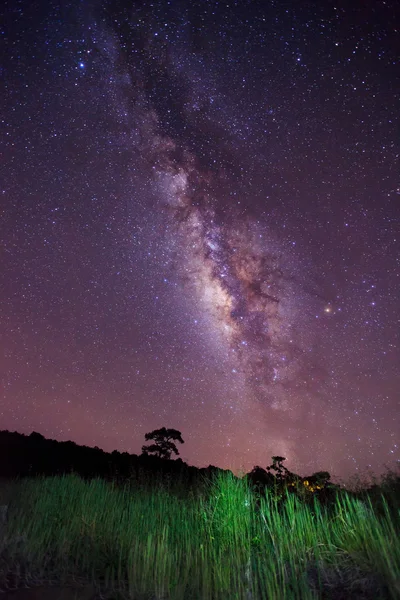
pixel 34 455
pixel 163 442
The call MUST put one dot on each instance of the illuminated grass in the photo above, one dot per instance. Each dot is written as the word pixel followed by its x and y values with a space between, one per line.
pixel 219 545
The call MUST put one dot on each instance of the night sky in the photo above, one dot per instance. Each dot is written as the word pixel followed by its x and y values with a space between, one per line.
pixel 200 228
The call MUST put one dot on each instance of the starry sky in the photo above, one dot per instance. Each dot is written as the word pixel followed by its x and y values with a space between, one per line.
pixel 200 212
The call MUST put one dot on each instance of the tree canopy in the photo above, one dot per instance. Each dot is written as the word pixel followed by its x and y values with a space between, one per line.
pixel 163 442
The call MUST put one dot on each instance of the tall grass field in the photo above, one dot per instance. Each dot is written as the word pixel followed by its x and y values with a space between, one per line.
pixel 221 544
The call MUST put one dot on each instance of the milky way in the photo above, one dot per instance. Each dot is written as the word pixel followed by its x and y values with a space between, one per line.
pixel 231 260
pixel 240 278
pixel 201 230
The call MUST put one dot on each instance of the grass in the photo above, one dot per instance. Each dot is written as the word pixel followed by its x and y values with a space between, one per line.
pixel 221 544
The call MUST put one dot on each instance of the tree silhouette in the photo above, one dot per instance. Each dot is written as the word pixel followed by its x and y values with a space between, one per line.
pixel 278 467
pixel 163 442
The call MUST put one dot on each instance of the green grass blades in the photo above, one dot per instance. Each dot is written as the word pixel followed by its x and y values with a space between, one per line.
pixel 222 544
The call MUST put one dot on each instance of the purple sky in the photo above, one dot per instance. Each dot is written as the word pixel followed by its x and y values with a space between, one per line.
pixel 200 229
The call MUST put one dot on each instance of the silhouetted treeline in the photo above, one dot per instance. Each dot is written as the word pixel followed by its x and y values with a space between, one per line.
pixel 33 455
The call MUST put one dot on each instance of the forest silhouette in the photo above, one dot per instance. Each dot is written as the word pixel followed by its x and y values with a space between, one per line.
pixel 34 455
pixel 126 526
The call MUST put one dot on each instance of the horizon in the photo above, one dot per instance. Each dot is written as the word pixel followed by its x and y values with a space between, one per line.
pixel 365 478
